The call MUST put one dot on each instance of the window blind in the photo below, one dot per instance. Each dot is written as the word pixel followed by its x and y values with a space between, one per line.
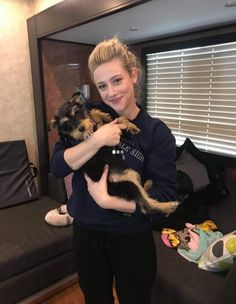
pixel 194 92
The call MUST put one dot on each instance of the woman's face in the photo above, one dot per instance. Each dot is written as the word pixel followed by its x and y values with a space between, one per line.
pixel 116 86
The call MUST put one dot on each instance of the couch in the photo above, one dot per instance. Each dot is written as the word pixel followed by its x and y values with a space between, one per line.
pixel 178 280
pixel 35 255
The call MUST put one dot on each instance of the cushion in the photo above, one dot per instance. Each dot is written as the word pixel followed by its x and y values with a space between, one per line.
pixel 16 176
pixel 220 255
pixel 216 189
pixel 200 185
pixel 195 171
pixel 27 240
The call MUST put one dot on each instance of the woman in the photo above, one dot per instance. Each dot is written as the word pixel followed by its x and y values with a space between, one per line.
pixel 112 237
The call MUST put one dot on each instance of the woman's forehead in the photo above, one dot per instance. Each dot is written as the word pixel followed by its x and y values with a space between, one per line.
pixel 108 70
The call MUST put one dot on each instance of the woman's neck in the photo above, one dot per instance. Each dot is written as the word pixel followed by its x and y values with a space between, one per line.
pixel 131 112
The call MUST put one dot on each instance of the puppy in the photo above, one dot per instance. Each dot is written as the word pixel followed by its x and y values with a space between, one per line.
pixel 74 119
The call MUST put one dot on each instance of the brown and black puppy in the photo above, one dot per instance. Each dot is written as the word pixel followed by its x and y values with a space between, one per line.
pixel 74 119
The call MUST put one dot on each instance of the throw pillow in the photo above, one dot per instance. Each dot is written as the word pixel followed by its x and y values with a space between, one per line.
pixel 216 188
pixel 220 255
pixel 195 170
pixel 16 174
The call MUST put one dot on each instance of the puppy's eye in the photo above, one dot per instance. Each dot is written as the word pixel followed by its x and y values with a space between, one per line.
pixel 81 128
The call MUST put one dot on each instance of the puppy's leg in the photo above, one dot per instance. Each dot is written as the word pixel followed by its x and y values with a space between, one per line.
pixel 100 117
pixel 147 204
pixel 132 128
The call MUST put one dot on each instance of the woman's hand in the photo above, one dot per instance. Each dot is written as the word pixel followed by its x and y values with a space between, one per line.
pixel 98 190
pixel 109 134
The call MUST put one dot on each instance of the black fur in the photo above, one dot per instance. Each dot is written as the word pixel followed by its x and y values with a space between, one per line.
pixel 94 169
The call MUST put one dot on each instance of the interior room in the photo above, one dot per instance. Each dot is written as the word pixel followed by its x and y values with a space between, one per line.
pixel 188 53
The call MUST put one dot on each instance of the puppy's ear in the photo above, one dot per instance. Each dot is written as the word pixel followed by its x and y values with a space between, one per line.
pixel 52 124
pixel 77 98
pixel 63 120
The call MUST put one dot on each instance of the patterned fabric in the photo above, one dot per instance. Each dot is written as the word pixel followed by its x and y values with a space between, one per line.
pixel 191 241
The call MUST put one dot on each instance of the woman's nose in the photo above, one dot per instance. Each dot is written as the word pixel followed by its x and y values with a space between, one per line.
pixel 111 90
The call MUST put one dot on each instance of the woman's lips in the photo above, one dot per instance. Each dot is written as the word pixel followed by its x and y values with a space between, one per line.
pixel 116 100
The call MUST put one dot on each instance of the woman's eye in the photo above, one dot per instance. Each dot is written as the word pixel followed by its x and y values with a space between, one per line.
pixel 101 87
pixel 117 81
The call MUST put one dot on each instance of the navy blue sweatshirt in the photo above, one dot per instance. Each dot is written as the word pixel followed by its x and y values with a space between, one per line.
pixel 151 153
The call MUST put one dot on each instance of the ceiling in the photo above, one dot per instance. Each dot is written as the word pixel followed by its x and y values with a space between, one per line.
pixel 153 20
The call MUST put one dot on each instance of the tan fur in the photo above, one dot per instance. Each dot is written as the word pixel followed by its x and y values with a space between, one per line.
pixel 88 125
pixel 132 128
pixel 99 116
pixel 148 185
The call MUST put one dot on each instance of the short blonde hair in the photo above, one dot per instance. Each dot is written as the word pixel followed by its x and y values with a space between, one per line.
pixel 110 49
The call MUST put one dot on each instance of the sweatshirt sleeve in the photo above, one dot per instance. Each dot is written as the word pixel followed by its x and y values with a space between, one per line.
pixel 160 165
pixel 59 167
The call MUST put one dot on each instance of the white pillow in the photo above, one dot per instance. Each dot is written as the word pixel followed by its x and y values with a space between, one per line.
pixel 220 255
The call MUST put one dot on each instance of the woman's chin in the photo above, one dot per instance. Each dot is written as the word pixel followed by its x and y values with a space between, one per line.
pixel 118 107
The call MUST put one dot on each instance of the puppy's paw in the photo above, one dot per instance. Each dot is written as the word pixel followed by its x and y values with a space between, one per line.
pixel 148 185
pixel 107 117
pixel 170 207
pixel 100 117
pixel 133 129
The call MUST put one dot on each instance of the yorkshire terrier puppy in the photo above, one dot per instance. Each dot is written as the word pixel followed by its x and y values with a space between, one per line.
pixel 76 120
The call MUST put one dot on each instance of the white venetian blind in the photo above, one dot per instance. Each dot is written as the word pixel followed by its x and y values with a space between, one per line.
pixel 194 92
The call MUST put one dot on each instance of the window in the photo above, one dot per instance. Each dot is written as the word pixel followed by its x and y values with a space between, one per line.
pixel 193 90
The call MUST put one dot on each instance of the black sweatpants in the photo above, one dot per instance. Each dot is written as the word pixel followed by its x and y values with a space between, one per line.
pixel 129 260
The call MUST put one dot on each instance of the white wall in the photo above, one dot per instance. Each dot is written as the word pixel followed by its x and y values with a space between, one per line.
pixel 17 118
pixel 40 5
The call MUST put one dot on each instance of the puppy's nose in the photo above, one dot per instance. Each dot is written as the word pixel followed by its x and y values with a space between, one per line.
pixel 81 128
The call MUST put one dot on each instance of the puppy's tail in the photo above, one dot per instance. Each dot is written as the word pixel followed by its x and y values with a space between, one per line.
pixel 151 205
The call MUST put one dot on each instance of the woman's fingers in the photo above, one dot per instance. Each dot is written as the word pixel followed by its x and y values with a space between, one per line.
pixel 87 178
pixel 105 174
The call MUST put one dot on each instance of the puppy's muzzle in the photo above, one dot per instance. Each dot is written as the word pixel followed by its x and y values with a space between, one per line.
pixel 87 128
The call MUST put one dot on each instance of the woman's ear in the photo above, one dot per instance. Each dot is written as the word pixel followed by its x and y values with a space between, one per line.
pixel 134 75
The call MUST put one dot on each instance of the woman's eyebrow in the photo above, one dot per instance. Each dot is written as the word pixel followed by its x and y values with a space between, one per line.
pixel 117 75
pixel 101 82
pixel 113 77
